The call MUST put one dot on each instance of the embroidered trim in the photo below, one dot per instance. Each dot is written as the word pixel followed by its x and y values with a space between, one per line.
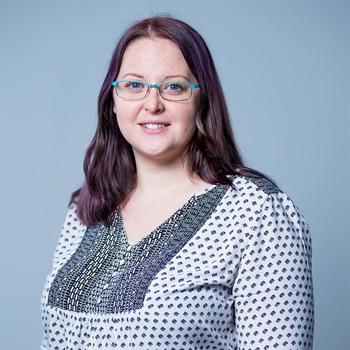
pixel 106 275
pixel 264 184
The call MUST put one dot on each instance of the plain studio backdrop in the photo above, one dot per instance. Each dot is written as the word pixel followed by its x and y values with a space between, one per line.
pixel 284 67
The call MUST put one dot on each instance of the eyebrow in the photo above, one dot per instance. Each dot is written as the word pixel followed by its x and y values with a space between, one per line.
pixel 166 77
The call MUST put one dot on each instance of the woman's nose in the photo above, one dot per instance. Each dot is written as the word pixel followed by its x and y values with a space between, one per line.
pixel 153 101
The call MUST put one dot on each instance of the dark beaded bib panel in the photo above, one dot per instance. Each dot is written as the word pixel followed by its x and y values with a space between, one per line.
pixel 107 275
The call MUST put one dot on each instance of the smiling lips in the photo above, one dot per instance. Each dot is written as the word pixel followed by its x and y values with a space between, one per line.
pixel 154 127
pixel 154 124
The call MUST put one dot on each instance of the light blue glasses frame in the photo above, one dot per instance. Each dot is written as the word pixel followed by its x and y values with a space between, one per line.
pixel 156 85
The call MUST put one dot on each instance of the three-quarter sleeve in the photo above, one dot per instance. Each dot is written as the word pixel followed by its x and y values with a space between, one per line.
pixel 273 290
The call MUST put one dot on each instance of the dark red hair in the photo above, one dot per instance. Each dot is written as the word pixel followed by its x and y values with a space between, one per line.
pixel 109 164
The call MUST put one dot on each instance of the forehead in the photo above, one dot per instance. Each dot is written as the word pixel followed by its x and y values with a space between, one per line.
pixel 154 58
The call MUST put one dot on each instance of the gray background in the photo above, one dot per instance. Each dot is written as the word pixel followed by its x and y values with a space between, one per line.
pixel 284 66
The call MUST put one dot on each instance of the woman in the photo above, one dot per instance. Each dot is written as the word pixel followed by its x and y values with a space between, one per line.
pixel 171 242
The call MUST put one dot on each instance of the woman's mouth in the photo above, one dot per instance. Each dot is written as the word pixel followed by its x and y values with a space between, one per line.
pixel 154 128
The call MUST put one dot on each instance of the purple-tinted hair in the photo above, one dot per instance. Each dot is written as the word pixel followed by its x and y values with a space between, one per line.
pixel 109 164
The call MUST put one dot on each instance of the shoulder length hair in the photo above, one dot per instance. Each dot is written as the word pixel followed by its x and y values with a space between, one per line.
pixel 109 163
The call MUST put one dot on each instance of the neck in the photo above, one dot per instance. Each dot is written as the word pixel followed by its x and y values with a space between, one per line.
pixel 162 179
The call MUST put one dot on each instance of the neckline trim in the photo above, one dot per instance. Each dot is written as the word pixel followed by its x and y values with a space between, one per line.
pixel 178 212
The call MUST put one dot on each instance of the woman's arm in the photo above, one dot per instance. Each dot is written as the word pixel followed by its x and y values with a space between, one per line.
pixel 273 291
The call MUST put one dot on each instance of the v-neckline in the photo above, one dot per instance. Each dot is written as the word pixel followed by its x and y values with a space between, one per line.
pixel 163 223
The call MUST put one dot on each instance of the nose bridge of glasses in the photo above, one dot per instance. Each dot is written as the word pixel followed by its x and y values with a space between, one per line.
pixel 153 85
pixel 156 85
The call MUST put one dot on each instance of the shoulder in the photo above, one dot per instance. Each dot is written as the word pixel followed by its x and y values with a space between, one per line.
pixel 257 184
pixel 253 190
pixel 72 221
pixel 70 235
pixel 258 201
pixel 256 197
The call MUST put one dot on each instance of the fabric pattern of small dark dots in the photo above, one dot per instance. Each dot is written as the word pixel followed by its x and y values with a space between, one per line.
pixel 229 270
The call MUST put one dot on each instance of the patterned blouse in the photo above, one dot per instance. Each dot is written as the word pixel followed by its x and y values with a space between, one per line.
pixel 229 270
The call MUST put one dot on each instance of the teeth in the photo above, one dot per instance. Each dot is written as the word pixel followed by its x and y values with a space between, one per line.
pixel 154 126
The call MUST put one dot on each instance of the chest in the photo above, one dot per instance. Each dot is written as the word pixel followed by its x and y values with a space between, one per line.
pixel 107 275
pixel 140 218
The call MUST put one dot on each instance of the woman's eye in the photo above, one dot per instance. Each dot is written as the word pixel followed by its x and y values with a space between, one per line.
pixel 175 87
pixel 134 85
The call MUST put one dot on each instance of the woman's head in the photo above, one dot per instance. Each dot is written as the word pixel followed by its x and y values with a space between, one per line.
pixel 212 117
pixel 175 105
pixel 210 152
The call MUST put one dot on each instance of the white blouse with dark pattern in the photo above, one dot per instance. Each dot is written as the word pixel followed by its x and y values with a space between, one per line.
pixel 229 270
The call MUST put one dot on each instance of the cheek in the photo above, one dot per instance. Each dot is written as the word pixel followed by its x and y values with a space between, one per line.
pixel 125 112
pixel 189 126
pixel 122 117
pixel 188 121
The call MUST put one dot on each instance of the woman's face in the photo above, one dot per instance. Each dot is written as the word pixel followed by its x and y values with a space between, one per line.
pixel 154 60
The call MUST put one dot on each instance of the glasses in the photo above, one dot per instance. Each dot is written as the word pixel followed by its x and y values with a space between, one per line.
pixel 169 90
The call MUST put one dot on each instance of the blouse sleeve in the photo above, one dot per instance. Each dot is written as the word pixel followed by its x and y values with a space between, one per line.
pixel 70 235
pixel 273 291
